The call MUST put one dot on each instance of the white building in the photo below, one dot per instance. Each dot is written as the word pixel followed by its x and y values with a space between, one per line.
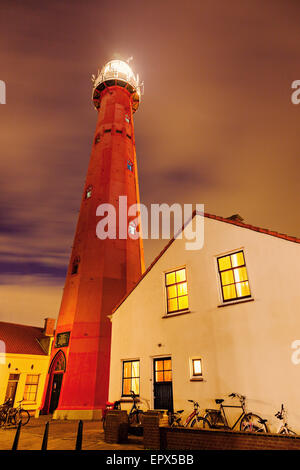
pixel 202 324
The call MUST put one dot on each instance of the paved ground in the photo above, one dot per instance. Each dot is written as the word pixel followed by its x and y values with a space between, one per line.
pixel 62 436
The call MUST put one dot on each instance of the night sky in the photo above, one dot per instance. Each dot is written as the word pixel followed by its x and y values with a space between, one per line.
pixel 216 124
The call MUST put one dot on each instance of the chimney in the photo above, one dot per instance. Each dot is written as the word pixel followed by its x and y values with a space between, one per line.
pixel 49 326
pixel 236 218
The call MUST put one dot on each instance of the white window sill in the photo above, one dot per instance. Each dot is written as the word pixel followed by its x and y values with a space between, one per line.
pixel 234 302
pixel 175 314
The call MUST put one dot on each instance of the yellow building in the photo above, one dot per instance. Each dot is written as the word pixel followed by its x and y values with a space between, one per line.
pixel 24 361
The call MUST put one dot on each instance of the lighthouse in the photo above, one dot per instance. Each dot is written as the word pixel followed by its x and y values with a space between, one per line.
pixel 101 270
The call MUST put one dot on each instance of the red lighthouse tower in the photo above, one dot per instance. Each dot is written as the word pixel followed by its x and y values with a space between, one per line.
pixel 100 271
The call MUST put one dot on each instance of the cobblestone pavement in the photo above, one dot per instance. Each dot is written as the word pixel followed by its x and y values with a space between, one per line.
pixel 62 436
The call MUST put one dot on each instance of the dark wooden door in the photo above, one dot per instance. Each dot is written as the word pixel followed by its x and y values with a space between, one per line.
pixel 56 386
pixel 12 387
pixel 163 392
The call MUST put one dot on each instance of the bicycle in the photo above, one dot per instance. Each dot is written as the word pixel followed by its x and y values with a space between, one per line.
pixel 19 415
pixel 135 416
pixel 13 416
pixel 283 428
pixel 194 420
pixel 249 422
pixel 4 409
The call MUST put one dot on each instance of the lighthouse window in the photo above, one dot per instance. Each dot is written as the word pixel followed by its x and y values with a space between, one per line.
pixel 97 139
pixel 129 165
pixel 132 228
pixel 75 265
pixel 88 192
pixel 127 118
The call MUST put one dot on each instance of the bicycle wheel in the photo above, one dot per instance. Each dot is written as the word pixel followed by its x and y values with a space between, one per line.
pixel 135 418
pixel 22 416
pixel 200 423
pixel 215 419
pixel 253 423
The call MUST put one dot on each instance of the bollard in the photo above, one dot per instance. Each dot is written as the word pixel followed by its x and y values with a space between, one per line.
pixel 45 438
pixel 79 436
pixel 17 435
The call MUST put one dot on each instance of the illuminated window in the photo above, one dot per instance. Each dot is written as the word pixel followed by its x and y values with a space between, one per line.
pixel 97 139
pixel 127 118
pixel 163 370
pixel 196 368
pixel 177 293
pixel 31 387
pixel 233 276
pixel 132 228
pixel 129 165
pixel 88 192
pixel 131 377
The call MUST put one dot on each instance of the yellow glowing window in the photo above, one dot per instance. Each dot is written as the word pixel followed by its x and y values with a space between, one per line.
pixel 163 370
pixel 131 377
pixel 177 291
pixel 197 367
pixel 233 276
pixel 31 387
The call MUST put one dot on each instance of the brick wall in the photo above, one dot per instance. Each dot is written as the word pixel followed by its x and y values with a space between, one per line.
pixel 166 438
pixel 116 429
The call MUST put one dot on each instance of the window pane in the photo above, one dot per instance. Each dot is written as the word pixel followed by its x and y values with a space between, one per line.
pixel 180 275
pixel 159 365
pixel 172 291
pixel 229 292
pixel 182 288
pixel 240 274
pixel 183 302
pixel 135 369
pixel 243 289
pixel 168 376
pixel 126 386
pixel 168 364
pixel 237 259
pixel 197 370
pixel 127 369
pixel 172 305
pixel 135 386
pixel 170 278
pixel 224 263
pixel 159 376
pixel 227 277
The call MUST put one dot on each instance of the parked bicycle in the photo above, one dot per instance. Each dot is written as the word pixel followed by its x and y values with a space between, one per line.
pixel 13 416
pixel 283 428
pixel 248 421
pixel 194 420
pixel 135 417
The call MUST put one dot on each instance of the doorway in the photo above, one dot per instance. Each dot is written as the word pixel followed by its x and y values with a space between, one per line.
pixel 55 391
pixel 163 391
pixel 55 380
pixel 12 387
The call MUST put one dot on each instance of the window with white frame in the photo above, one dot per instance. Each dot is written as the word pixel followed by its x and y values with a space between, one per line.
pixel 176 291
pixel 131 377
pixel 196 368
pixel 233 276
